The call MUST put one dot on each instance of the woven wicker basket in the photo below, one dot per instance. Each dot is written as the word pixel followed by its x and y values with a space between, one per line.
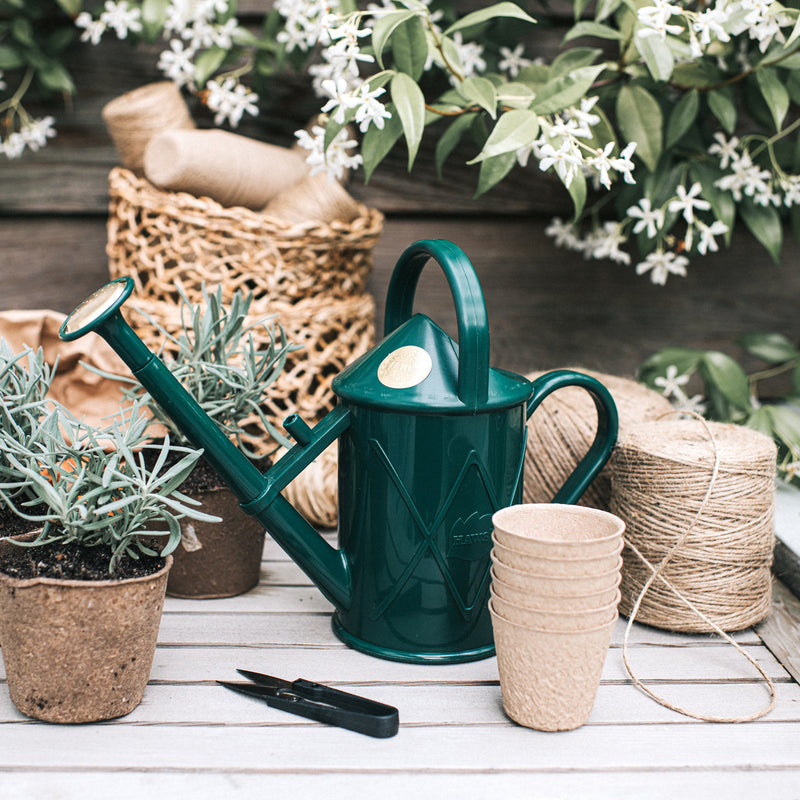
pixel 310 277
pixel 165 239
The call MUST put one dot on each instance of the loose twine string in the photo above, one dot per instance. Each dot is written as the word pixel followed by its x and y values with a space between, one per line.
pixel 656 574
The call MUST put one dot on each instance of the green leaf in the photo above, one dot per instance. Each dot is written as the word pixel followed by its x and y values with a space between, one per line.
pixel 514 129
pixel 640 120
pixel 574 58
pixel 207 63
pixel 761 420
pixel 383 29
pixel 480 92
pixel 605 8
pixel 448 141
pixel 154 15
pixel 684 359
pixel 71 7
pixel 657 56
pixel 577 191
pixel 786 424
pixel 682 117
pixel 566 90
pixel 376 144
pixel 515 95
pixel 10 57
pixel 410 105
pixel 410 47
pixel 723 107
pixel 55 77
pixel 723 373
pixel 493 170
pixel 774 348
pixel 504 9
pixel 595 29
pixel 795 33
pixel 774 93
pixel 764 223
pixel 22 31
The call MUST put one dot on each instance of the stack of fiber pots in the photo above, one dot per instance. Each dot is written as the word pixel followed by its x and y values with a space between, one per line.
pixel 555 588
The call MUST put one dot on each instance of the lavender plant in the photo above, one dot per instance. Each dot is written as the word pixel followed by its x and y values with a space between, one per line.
pixel 94 486
pixel 668 124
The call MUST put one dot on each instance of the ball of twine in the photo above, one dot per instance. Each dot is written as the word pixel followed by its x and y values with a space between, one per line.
pixel 698 500
pixel 561 430
pixel 132 119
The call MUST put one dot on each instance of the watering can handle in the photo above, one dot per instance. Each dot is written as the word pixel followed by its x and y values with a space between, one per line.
pixel 473 325
pixel 605 436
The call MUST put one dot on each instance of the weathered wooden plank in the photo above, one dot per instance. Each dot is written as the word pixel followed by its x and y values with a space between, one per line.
pixel 400 785
pixel 781 629
pixel 446 704
pixel 312 748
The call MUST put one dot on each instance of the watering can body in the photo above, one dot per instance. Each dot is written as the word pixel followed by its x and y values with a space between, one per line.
pixel 432 442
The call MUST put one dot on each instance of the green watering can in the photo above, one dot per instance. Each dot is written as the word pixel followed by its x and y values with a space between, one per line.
pixel 431 444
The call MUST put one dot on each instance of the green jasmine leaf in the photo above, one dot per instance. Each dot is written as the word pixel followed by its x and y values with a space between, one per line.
pixel 565 90
pixel 723 107
pixel 481 92
pixel 640 120
pixel 71 7
pixel 504 9
pixel 605 8
pixel 410 47
pixel 729 379
pixel 657 55
pixel 577 191
pixel 514 129
pixel 515 95
pixel 774 348
pixel 376 144
pixel 493 170
pixel 764 223
pixel 450 138
pixel 207 63
pixel 775 95
pixel 682 117
pixel 595 29
pixel 410 105
pixel 10 57
pixel 574 58
pixel 383 29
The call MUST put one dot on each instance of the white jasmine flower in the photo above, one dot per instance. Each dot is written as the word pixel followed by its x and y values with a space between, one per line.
pixel 122 18
pixel 655 19
pixel 336 159
pixel 513 61
pixel 371 111
pixel 230 100
pixel 13 145
pixel 177 63
pixel 605 243
pixel 649 219
pixel 726 149
pixel 563 233
pixel 603 164
pixel 583 117
pixel 37 132
pixel 566 160
pixel 791 188
pixel 341 97
pixel 671 383
pixel 93 29
pixel 661 265
pixel 623 163
pixel 687 202
pixel 707 243
pixel 470 55
pixel 710 24
pixel 691 405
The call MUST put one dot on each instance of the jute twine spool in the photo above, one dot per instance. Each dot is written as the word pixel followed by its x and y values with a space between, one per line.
pixel 698 501
pixel 561 430
pixel 132 119
pixel 315 198
pixel 233 170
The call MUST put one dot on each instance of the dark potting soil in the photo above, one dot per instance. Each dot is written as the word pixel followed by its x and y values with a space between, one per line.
pixel 73 562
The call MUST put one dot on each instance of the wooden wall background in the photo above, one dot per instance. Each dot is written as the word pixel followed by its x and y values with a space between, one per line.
pixel 547 307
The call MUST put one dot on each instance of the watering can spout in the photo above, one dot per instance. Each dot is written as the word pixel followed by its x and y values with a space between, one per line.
pixel 259 495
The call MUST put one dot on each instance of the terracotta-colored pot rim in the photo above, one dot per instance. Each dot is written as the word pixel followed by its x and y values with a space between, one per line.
pixel 523 573
pixel 614 585
pixel 499 546
pixel 23 583
pixel 530 629
pixel 557 613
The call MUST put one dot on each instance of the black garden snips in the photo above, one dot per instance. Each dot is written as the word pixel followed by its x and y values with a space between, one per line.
pixel 321 703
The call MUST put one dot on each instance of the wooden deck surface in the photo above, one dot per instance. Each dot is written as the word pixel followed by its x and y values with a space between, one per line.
pixel 190 735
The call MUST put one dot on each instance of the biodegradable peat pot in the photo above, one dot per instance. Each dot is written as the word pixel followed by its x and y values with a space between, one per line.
pixel 549 679
pixel 558 585
pixel 545 619
pixel 543 600
pixel 556 566
pixel 79 650
pixel 217 559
